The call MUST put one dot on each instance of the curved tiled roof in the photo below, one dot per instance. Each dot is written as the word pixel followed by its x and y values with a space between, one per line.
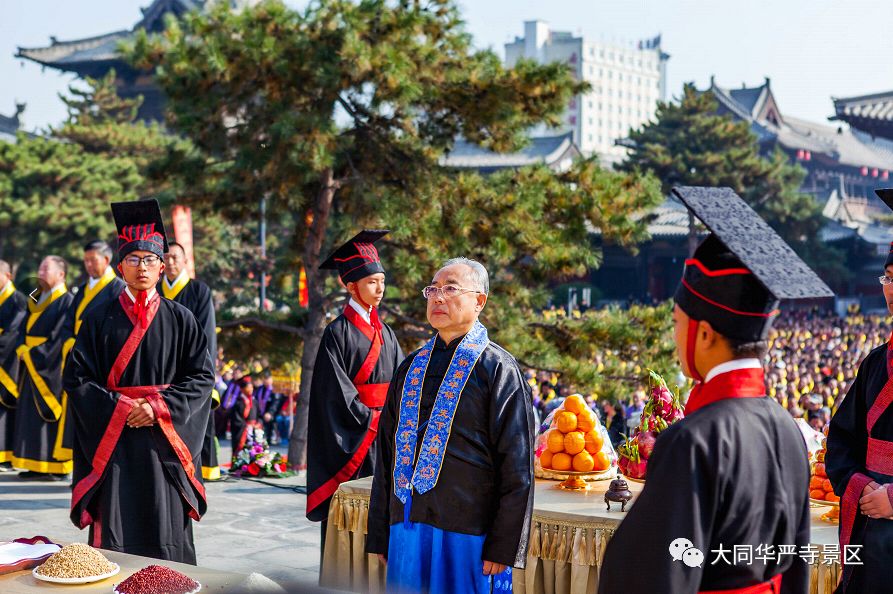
pixel 543 149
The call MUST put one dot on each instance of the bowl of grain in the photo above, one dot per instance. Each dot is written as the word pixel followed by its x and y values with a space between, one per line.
pixel 76 564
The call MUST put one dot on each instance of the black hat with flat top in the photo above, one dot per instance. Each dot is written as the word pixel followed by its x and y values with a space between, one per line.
pixel 140 227
pixel 742 270
pixel 357 258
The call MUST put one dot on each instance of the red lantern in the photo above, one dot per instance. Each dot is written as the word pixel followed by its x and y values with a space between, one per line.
pixel 874 172
pixel 864 171
pixel 885 175
pixel 303 293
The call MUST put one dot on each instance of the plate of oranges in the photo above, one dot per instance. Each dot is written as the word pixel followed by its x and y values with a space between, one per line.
pixel 573 441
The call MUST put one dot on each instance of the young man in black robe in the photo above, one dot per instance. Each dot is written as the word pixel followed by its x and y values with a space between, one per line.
pixel 139 382
pixel 354 364
pixel 195 296
pixel 13 314
pixel 102 285
pixel 859 461
pixel 40 414
pixel 734 472
pixel 452 496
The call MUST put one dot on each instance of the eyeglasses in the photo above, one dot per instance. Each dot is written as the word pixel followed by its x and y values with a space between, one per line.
pixel 885 280
pixel 151 261
pixel 446 291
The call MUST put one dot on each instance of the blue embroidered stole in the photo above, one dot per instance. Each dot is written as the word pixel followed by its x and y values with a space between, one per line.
pixel 423 476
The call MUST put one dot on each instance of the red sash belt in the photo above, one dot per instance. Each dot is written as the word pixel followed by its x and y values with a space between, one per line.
pixel 773 586
pixel 373 395
pixel 879 457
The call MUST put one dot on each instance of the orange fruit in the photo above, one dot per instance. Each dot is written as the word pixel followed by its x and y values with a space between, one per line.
pixel 586 421
pixel 817 494
pixel 826 486
pixel 555 441
pixel 546 459
pixel 574 442
pixel 561 461
pixel 820 470
pixel 832 497
pixel 575 404
pixel 815 482
pixel 594 442
pixel 566 421
pixel 583 462
pixel 601 461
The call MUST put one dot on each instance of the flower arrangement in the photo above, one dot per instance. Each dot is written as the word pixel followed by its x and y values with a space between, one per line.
pixel 256 459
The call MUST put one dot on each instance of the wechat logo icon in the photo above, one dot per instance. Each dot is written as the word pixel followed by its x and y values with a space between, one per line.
pixel 684 550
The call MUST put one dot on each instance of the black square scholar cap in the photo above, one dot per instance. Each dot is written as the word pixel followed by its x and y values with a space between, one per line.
pixel 358 258
pixel 741 271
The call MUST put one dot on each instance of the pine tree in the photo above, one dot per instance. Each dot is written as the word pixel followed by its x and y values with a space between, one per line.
pixel 690 143
pixel 339 114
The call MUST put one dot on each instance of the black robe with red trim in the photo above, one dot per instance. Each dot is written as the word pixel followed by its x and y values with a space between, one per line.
pixel 13 314
pixel 139 488
pixel 845 457
pixel 733 473
pixel 338 421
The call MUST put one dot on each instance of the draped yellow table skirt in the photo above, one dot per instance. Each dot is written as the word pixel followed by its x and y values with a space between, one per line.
pixel 568 537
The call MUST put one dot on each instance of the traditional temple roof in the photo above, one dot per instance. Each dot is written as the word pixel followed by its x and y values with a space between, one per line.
pixel 836 144
pixel 9 125
pixel 872 114
pixel 92 56
pixel 557 152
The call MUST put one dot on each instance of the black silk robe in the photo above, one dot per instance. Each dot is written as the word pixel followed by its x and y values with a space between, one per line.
pixel 733 473
pixel 338 421
pixel 142 497
pixel 845 456
pixel 486 481
pixel 13 314
pixel 73 321
pixel 196 297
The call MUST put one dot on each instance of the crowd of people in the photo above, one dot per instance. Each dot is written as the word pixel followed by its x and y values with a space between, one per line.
pixel 250 397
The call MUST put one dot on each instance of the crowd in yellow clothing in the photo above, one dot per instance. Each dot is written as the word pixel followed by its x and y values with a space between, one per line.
pixel 814 358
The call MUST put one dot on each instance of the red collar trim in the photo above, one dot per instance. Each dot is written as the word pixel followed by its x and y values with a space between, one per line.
pixel 739 383
pixel 354 317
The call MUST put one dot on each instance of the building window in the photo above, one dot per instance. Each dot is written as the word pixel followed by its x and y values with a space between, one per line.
pixel 620 76
pixel 590 138
pixel 590 121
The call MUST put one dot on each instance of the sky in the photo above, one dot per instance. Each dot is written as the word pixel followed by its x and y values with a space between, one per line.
pixel 811 50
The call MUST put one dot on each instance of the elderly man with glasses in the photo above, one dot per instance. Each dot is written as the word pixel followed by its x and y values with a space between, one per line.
pixel 453 489
pixel 139 381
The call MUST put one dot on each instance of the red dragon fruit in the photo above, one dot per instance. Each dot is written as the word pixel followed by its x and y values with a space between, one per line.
pixel 646 441
pixel 630 462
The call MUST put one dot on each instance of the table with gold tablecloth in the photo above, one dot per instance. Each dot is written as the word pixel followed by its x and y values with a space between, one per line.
pixel 568 536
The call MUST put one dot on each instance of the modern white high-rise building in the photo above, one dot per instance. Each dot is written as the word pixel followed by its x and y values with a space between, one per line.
pixel 627 82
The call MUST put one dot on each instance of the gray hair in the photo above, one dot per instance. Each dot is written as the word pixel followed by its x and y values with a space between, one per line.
pixel 478 276
pixel 100 246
